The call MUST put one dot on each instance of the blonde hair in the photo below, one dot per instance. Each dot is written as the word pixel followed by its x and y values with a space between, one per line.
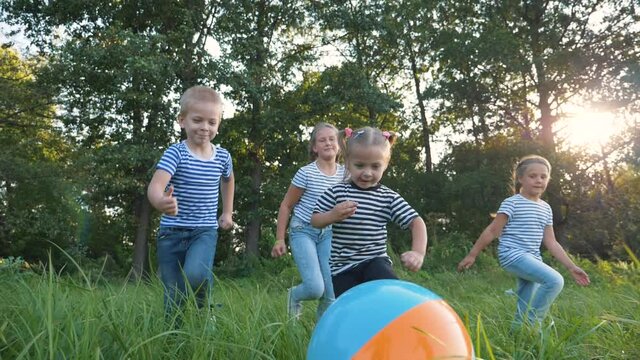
pixel 198 93
pixel 523 164
pixel 314 136
pixel 366 136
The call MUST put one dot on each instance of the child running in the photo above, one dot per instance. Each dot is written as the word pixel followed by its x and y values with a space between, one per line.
pixel 523 222
pixel 359 210
pixel 310 246
pixel 185 188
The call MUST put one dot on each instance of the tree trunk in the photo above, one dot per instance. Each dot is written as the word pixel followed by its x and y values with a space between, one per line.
pixel 535 14
pixel 140 267
pixel 426 134
pixel 255 222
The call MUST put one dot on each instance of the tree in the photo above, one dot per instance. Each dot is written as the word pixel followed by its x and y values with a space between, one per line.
pixel 37 191
pixel 261 44
pixel 519 64
pixel 410 28
pixel 369 68
pixel 118 69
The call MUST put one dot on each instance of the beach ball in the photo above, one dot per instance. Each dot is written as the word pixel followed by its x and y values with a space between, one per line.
pixel 389 319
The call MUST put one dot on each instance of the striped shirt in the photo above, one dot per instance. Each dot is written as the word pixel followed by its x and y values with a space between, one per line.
pixel 314 182
pixel 525 228
pixel 196 184
pixel 363 236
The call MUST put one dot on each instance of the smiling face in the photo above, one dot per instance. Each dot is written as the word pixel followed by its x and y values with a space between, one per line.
pixel 534 181
pixel 366 165
pixel 326 144
pixel 201 122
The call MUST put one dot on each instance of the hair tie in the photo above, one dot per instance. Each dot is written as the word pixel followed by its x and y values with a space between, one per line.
pixel 348 132
pixel 386 134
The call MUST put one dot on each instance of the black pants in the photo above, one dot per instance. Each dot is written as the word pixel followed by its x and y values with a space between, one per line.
pixel 372 269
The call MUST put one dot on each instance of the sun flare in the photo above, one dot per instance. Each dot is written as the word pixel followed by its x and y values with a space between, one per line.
pixel 589 129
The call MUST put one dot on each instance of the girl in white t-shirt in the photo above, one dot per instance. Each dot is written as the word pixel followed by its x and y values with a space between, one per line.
pixel 523 222
pixel 310 246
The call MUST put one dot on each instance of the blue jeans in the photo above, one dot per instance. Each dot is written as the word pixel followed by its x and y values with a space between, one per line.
pixel 538 286
pixel 186 253
pixel 311 249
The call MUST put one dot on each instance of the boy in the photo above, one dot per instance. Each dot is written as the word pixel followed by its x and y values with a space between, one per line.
pixel 185 188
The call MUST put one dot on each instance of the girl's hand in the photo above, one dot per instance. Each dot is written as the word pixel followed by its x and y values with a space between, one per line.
pixel 225 222
pixel 279 248
pixel 412 260
pixel 580 276
pixel 466 263
pixel 168 204
pixel 344 210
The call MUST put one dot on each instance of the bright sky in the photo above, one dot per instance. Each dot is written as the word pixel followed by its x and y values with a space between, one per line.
pixel 589 128
pixel 19 41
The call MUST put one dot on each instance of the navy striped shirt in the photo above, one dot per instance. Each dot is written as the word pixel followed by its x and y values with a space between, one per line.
pixel 314 182
pixel 196 184
pixel 524 230
pixel 363 236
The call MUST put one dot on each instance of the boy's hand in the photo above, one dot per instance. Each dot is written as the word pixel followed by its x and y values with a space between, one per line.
pixel 580 276
pixel 466 263
pixel 225 222
pixel 344 210
pixel 279 248
pixel 412 260
pixel 168 204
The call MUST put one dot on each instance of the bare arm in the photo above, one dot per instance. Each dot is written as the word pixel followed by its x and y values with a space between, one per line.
pixel 550 242
pixel 159 199
pixel 338 213
pixel 291 198
pixel 414 258
pixel 488 235
pixel 227 190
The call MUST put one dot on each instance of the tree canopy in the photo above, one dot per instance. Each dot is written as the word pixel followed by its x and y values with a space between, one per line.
pixel 485 82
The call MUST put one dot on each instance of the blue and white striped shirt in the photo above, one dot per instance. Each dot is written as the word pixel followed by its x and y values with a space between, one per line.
pixel 196 184
pixel 363 236
pixel 314 182
pixel 524 230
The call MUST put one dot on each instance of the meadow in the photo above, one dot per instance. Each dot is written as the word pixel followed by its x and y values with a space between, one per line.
pixel 52 315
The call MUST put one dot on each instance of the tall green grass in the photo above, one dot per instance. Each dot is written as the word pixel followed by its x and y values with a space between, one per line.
pixel 55 316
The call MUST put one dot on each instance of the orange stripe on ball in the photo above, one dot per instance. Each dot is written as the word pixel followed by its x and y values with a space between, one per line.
pixel 431 330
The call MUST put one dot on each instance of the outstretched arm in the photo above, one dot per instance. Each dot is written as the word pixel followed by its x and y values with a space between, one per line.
pixel 414 258
pixel 490 232
pixel 550 242
pixel 291 198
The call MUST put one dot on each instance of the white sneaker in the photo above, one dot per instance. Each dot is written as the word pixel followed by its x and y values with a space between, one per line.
pixel 294 308
pixel 210 325
pixel 510 292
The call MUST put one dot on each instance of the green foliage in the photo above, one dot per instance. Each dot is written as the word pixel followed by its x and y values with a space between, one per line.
pixel 601 219
pixel 480 177
pixel 38 194
pixel 498 74
pixel 445 253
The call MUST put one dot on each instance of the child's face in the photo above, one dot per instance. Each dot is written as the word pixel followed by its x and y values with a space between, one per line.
pixel 534 181
pixel 201 122
pixel 367 164
pixel 326 144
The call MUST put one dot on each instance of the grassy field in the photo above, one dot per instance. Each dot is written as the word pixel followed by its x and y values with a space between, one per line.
pixel 50 316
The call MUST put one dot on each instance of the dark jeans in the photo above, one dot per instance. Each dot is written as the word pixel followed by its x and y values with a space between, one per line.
pixel 186 253
pixel 372 269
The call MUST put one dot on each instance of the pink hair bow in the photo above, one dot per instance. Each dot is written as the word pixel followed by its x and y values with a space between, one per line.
pixel 348 132
pixel 386 134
